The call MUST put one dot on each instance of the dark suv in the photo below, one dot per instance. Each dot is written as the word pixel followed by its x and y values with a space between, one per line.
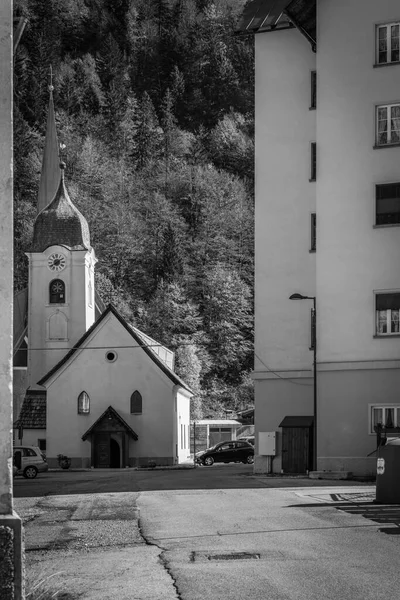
pixel 234 451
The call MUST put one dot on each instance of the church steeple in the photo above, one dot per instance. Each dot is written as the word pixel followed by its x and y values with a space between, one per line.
pixel 50 175
pixel 60 223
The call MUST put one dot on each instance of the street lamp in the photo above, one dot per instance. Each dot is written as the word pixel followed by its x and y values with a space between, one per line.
pixel 314 348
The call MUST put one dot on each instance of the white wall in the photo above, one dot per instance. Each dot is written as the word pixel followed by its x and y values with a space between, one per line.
pixel 30 437
pixel 353 258
pixel 183 425
pixel 285 198
pixel 80 316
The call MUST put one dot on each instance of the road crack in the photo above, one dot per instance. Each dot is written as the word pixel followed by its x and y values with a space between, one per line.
pixel 162 558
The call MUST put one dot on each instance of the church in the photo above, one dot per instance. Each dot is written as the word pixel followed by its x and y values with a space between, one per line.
pixel 87 384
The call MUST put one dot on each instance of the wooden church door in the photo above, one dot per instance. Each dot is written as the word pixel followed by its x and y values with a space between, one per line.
pixel 102 450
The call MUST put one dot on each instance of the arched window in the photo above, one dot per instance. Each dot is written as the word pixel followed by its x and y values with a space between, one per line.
pixel 136 403
pixel 57 291
pixel 83 403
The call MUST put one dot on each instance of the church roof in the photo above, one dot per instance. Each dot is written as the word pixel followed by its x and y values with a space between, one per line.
pixel 110 413
pixel 50 174
pixel 60 224
pixel 33 411
pixel 138 340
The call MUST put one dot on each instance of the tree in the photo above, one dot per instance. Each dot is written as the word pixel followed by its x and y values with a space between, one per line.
pixel 168 124
pixel 171 316
pixel 227 318
pixel 148 133
pixel 188 367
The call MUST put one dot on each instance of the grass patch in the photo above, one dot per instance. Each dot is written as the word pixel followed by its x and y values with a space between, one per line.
pixel 45 588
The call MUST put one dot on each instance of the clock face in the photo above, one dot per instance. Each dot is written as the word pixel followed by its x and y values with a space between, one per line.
pixel 56 262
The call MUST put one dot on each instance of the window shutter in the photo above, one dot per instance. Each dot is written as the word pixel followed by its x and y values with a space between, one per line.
pixel 387 301
pixel 313 161
pixel 313 89
pixel 313 231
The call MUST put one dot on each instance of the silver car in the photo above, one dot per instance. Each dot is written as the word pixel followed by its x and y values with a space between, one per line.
pixel 29 461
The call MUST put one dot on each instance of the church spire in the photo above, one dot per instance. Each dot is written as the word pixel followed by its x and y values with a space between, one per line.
pixel 50 176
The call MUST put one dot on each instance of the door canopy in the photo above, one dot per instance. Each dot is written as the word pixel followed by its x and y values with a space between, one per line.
pixel 110 421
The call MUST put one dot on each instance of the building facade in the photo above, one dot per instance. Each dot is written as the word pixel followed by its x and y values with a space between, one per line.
pixel 327 226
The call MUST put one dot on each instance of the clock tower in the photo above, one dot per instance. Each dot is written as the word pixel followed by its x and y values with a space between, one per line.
pixel 61 305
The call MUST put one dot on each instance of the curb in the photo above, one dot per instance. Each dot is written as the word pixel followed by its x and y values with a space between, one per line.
pixel 90 470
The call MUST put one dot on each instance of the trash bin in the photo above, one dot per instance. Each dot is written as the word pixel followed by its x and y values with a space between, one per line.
pixel 388 472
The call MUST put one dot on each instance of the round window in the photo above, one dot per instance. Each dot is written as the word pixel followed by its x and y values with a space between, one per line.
pixel 111 356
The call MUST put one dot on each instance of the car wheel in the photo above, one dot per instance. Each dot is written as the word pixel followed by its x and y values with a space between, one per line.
pixel 250 459
pixel 30 472
pixel 208 461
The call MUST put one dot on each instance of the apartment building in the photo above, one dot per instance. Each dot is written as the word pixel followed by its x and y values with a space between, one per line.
pixel 328 229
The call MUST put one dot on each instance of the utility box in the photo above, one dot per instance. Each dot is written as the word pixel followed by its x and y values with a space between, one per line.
pixel 267 443
pixel 388 473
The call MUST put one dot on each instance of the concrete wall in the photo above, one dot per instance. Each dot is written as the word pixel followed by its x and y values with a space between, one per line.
pixel 111 384
pixel 353 258
pixel 11 553
pixel 20 383
pixel 275 399
pixel 285 199
pixel 345 397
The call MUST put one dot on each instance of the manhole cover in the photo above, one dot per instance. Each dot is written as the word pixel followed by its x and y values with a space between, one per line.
pixel 234 556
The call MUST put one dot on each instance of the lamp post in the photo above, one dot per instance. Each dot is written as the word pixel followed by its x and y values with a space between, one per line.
pixel 314 348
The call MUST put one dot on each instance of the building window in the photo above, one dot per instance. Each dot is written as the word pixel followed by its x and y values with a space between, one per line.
pixel 57 292
pixel 136 403
pixel 387 43
pixel 313 103
pixel 387 313
pixel 42 445
pixel 83 403
pixel 313 246
pixel 384 415
pixel 90 294
pixel 388 124
pixel 313 157
pixel 111 356
pixel 387 203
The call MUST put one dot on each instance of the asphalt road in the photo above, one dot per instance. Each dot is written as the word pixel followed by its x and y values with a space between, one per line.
pixel 230 476
pixel 217 533
pixel 275 544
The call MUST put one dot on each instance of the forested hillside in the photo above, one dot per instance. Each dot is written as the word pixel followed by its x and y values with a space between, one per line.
pixel 154 109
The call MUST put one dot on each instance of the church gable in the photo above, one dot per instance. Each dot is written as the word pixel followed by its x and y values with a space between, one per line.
pixel 103 334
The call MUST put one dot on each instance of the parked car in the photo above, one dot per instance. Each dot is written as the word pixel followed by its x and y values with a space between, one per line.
pixel 247 438
pixel 233 451
pixel 29 461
